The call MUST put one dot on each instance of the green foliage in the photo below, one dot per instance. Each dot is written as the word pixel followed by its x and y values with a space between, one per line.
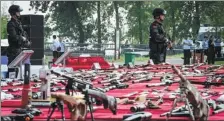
pixel 3 27
pixel 184 16
pixel 219 63
pixel 47 31
pixel 179 18
pixel 70 17
pixel 78 19
pixel 139 18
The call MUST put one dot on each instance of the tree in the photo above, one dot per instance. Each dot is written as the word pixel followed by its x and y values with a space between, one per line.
pixel 105 22
pixel 4 19
pixel 90 20
pixel 181 20
pixel 71 18
pixel 4 9
pixel 186 17
pixel 99 22
pixel 139 18
pixel 139 5
pixel 171 19
pixel 3 27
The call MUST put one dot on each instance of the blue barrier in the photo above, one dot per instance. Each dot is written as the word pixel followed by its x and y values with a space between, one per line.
pixel 4 60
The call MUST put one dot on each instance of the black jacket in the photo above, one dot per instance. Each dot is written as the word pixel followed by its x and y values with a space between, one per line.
pixel 15 33
pixel 157 42
pixel 211 44
pixel 157 33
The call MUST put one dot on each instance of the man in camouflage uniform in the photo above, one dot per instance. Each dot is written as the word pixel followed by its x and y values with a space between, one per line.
pixel 158 39
pixel 17 37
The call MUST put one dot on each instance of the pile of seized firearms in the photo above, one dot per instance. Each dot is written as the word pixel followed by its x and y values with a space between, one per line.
pixel 96 83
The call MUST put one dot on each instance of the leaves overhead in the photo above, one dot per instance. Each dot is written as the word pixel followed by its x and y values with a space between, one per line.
pixel 3 27
pixel 78 19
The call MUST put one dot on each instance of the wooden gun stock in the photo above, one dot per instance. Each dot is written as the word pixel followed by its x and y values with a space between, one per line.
pixel 77 106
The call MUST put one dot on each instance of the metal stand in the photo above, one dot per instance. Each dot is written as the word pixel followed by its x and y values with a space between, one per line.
pixel 18 61
pixel 60 106
pixel 187 104
pixel 89 103
pixel 63 64
pixel 20 71
pixel 63 57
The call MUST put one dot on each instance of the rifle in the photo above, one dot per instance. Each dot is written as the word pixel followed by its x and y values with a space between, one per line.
pixel 163 83
pixel 148 104
pixel 213 68
pixel 87 89
pixel 190 95
pixel 114 85
pixel 145 78
pixel 166 80
pixel 125 101
pixel 138 116
pixel 211 80
pixel 116 76
pixel 18 117
pixel 33 111
pixel 217 108
pixel 179 109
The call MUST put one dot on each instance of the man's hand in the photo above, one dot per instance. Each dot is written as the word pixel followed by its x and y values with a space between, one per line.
pixel 167 40
pixel 76 105
pixel 169 45
pixel 26 43
pixel 24 39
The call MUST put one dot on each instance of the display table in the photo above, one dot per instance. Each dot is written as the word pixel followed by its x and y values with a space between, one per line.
pixel 101 114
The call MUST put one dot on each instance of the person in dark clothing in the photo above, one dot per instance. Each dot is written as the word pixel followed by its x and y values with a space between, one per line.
pixel 17 37
pixel 158 39
pixel 218 47
pixel 211 50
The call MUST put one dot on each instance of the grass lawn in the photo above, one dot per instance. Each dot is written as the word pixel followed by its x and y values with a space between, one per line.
pixel 219 62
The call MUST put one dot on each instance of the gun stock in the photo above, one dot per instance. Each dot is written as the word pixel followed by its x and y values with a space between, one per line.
pixel 77 106
pixel 201 108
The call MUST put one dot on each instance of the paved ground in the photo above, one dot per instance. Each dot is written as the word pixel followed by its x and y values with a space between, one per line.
pixel 175 61
pixel 171 61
